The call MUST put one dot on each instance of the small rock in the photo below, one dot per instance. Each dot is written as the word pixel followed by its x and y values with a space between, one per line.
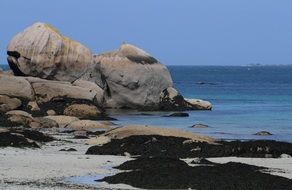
pixel 285 156
pixel 68 150
pixel 199 126
pixel 127 154
pixel 88 125
pixel 263 133
pixel 33 106
pixel 15 140
pixel 179 114
pixel 199 104
pixel 82 111
pixel 51 112
pixel 7 103
pixel 62 120
pixel 18 117
pixel 46 122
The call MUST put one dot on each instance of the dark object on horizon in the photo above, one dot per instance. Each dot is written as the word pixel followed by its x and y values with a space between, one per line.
pixel 178 114
pixel 263 133
pixel 167 173
pixel 205 82
pixel 200 126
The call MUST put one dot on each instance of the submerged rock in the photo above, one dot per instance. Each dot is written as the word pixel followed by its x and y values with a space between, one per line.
pixel 41 51
pixel 199 126
pixel 178 114
pixel 134 78
pixel 263 133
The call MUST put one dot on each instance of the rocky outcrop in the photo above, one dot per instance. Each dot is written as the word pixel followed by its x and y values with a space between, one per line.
pixel 126 78
pixel 263 133
pixel 142 130
pixel 82 111
pixel 22 138
pixel 48 90
pixel 200 104
pixel 88 125
pixel 171 99
pixel 15 87
pixel 134 78
pixel 93 87
pixel 18 117
pixel 62 120
pixel 7 103
pixel 41 51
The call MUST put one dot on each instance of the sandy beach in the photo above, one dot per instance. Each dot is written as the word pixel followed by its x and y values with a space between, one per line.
pixel 50 168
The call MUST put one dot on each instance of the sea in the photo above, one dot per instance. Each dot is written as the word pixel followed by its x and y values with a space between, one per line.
pixel 246 100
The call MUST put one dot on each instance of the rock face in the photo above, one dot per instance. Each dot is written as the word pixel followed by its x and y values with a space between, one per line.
pixel 126 78
pixel 142 130
pixel 48 90
pixel 7 103
pixel 171 99
pixel 134 78
pixel 263 133
pixel 88 125
pixel 82 111
pixel 41 51
pixel 15 87
pixel 200 104
pixel 18 117
pixel 62 120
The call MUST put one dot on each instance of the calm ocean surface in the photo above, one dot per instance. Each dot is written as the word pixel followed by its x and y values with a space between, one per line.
pixel 246 99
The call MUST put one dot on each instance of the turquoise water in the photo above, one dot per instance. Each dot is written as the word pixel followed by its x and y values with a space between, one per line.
pixel 246 99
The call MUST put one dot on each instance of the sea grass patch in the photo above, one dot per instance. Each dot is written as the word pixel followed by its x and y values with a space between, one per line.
pixel 167 173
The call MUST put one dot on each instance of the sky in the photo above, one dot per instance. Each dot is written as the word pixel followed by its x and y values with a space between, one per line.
pixel 185 32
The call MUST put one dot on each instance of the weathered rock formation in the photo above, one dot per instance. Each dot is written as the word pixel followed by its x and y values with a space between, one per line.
pixel 41 51
pixel 15 87
pixel 134 78
pixel 171 99
pixel 57 72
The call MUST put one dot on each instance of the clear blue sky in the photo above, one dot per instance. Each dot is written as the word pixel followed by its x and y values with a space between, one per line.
pixel 186 32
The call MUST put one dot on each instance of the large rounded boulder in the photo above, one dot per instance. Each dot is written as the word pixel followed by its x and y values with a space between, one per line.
pixel 134 78
pixel 42 51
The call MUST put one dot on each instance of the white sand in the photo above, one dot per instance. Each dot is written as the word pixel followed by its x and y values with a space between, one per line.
pixel 47 167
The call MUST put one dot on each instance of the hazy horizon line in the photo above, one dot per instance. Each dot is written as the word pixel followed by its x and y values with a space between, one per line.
pixel 246 65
